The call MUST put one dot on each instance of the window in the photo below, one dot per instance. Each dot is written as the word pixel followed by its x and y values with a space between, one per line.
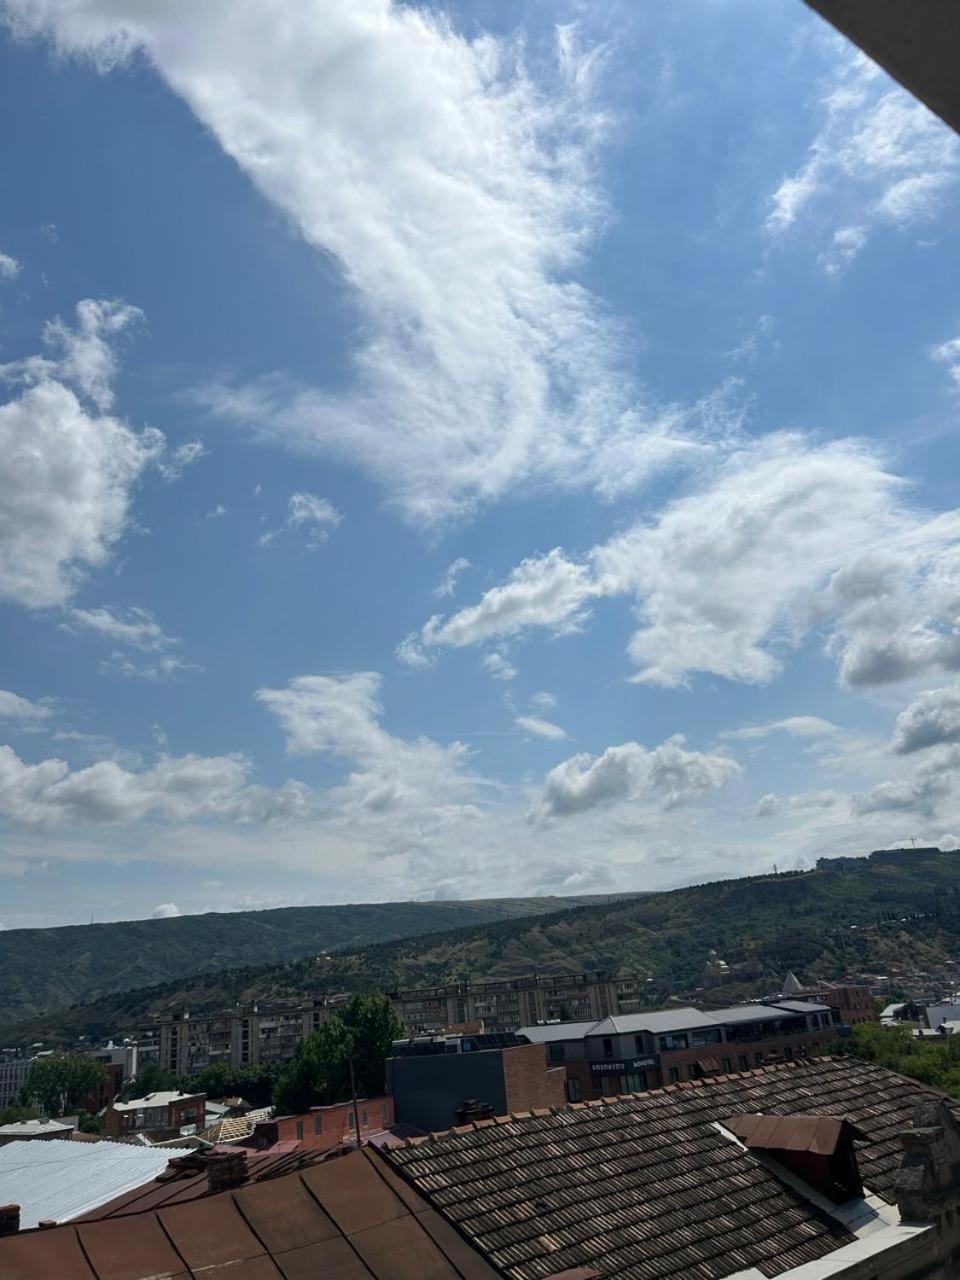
pixel 638 1046
pixel 728 1065
pixel 705 1035
pixel 574 1091
pixel 758 1059
pixel 674 1075
pixel 351 1120
pixel 634 1082
pixel 788 1053
pixel 318 1123
pixel 556 1052
pixel 744 1062
pixel 678 1040
pixel 365 1123
pixel 385 1113
pixel 299 1130
pixel 607 1047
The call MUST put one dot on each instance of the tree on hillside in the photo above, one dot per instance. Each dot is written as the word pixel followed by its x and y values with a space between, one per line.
pixel 255 1084
pixel 320 1073
pixel 59 1082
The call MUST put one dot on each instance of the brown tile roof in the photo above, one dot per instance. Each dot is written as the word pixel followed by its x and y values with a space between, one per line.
pixel 645 1186
pixel 349 1218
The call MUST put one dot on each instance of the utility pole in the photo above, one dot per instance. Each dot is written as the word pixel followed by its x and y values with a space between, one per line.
pixel 353 1095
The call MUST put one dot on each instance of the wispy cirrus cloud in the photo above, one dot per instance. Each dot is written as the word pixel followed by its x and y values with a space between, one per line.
pixel 484 362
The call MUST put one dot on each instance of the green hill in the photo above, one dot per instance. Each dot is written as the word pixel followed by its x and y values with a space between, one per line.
pixel 46 969
pixel 892 911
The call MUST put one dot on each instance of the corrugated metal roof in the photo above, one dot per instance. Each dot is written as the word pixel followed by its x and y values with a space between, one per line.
pixel 33 1128
pixel 62 1180
pixel 162 1098
pixel 555 1031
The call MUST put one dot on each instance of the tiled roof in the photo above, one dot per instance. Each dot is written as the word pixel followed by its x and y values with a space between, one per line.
pixel 349 1218
pixel 645 1186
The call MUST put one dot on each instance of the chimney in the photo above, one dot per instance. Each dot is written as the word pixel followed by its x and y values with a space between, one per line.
pixel 9 1219
pixel 928 1180
pixel 226 1169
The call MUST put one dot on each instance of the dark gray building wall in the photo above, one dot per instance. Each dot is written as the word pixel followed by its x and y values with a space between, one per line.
pixel 428 1090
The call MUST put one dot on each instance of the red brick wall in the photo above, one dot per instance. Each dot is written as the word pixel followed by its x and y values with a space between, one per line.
pixel 529 1082
pixel 335 1123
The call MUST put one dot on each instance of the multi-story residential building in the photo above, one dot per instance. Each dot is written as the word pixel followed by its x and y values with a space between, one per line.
pixel 508 1003
pixel 244 1036
pixel 854 1001
pixel 629 1053
pixel 13 1076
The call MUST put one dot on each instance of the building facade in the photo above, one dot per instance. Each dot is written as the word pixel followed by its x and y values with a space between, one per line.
pixel 640 1051
pixel 163 1114
pixel 13 1076
pixel 509 1003
pixel 437 1080
pixel 323 1128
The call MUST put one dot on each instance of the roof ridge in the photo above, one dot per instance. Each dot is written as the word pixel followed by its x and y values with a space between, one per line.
pixel 703 1082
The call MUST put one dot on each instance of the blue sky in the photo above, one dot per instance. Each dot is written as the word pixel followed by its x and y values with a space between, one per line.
pixel 466 451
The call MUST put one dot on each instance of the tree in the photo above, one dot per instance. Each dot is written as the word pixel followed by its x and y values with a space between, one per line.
pixel 320 1072
pixel 151 1078
pixel 216 1080
pixel 16 1115
pixel 58 1082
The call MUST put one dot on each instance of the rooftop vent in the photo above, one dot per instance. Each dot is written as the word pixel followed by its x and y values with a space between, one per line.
pixel 473 1109
pixel 818 1149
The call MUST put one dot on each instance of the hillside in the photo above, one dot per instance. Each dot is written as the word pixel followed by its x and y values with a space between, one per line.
pixel 893 910
pixel 46 969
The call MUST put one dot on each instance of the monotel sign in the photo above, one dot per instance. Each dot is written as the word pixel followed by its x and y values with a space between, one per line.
pixel 622 1066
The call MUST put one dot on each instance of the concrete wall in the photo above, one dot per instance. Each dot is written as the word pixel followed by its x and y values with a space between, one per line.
pixel 427 1090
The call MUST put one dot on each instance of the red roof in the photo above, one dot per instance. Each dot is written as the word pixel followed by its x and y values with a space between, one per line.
pixel 351 1217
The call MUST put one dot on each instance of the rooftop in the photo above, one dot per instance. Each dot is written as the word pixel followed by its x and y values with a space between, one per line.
pixel 34 1128
pixel 160 1098
pixel 553 1031
pixel 647 1186
pixel 62 1180
pixel 349 1217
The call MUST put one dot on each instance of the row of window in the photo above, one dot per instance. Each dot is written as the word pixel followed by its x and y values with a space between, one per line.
pixel 351 1120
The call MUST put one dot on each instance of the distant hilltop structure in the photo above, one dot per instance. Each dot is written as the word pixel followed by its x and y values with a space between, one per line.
pixel 892 857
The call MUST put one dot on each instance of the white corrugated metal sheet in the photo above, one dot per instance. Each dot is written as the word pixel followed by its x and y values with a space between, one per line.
pixel 62 1179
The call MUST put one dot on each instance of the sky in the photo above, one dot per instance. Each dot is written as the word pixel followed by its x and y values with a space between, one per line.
pixel 466 450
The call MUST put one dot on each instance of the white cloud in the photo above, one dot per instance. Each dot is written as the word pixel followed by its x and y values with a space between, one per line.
pixel 788 536
pixel 134 626
pixel 306 511
pixel 172 466
pixel 847 243
pixel 13 707
pixel 878 156
pixel 452 180
pixel 543 701
pixel 9 267
pixel 409 653
pixel 448 583
pixel 68 472
pixel 919 795
pixel 165 911
pixel 669 774
pixel 806 802
pixel 542 728
pixel 339 715
pixel 498 666
pixel 931 719
pixel 795 726
pixel 217 512
pixel 548 591
pixel 176 789
pixel 160 669
pixel 948 353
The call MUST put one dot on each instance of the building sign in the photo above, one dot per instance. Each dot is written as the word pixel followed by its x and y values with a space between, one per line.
pixel 620 1066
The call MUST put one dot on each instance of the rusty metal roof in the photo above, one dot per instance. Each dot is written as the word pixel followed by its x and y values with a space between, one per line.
pixel 646 1186
pixel 816 1134
pixel 351 1218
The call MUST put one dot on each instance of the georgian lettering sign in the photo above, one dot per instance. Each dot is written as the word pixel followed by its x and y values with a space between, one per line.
pixel 621 1066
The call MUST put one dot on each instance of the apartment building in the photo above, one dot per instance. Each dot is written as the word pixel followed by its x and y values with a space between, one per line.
pixel 162 1114
pixel 244 1036
pixel 633 1052
pixel 13 1076
pixel 508 1003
